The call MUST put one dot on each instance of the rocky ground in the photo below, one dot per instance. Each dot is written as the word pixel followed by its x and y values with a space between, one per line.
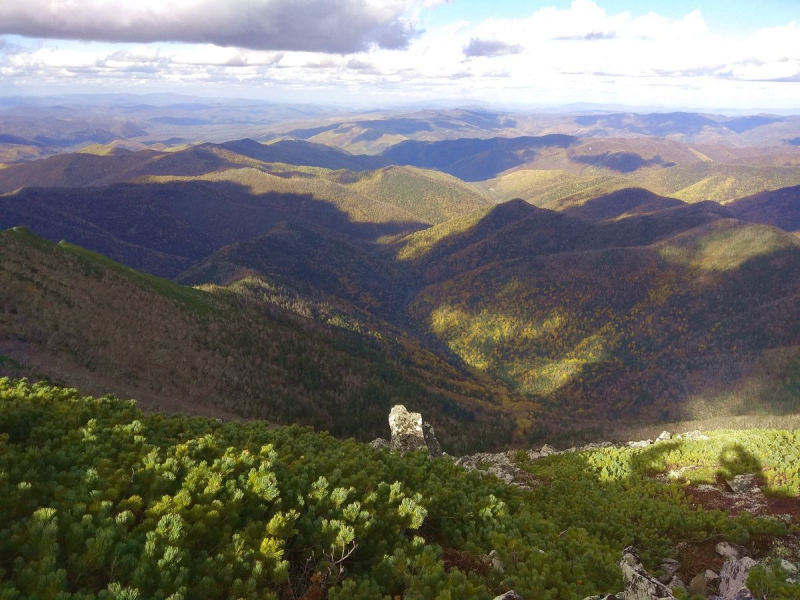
pixel 711 568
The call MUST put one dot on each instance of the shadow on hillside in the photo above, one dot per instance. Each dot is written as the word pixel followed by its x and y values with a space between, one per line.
pixel 678 339
pixel 162 227
pixel 474 159
pixel 626 202
pixel 614 500
pixel 621 162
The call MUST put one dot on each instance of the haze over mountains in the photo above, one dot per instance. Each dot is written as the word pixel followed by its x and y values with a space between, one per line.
pixel 530 274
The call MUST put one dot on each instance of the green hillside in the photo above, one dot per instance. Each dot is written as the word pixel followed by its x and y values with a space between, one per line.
pixel 102 501
pixel 312 261
pixel 676 315
pixel 253 350
pixel 433 196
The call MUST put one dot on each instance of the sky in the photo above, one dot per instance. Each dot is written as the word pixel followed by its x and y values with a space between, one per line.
pixel 699 54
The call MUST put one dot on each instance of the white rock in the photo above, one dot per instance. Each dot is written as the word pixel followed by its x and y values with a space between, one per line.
pixel 639 585
pixel 790 568
pixel 665 435
pixel 743 483
pixel 734 576
pixel 642 444
pixel 510 595
pixel 410 433
pixel 547 450
pixel 725 550
pixel 406 427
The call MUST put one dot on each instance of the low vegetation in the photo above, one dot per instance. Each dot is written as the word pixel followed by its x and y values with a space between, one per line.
pixel 102 501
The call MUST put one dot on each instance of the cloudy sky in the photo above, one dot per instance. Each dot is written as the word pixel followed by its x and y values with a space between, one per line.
pixel 681 53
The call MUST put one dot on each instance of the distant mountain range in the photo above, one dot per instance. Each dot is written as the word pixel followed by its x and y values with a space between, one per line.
pixel 329 283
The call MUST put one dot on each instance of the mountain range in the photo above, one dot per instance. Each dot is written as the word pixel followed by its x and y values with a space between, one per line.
pixel 520 287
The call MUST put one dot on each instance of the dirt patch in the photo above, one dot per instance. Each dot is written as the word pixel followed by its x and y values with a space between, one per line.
pixel 466 562
pixel 751 500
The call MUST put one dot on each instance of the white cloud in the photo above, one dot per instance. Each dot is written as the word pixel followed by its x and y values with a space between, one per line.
pixel 337 26
pixel 581 53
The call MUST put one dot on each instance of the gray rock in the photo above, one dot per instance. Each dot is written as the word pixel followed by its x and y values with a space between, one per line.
pixel 410 433
pixel 547 450
pixel 380 443
pixel 699 585
pixel 642 444
pixel 711 576
pixel 665 435
pixel 406 427
pixel 667 569
pixel 533 455
pixel 726 550
pixel 639 585
pixel 734 576
pixel 430 440
pixel 676 582
pixel 694 435
pixel 744 594
pixel 790 568
pixel 501 474
pixel 510 595
pixel 495 561
pixel 743 483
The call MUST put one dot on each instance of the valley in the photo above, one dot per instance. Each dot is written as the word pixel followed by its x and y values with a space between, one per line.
pixel 539 284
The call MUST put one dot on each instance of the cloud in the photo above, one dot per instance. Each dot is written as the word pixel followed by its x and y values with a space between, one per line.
pixel 589 37
pixel 490 48
pixel 331 26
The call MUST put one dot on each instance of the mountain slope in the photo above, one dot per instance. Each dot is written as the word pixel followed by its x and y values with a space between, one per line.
pixel 669 315
pixel 138 223
pixel 779 208
pixel 473 159
pixel 430 195
pixel 251 350
pixel 311 261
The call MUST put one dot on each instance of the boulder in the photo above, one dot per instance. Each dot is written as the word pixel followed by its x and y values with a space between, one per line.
pixel 726 550
pixel 699 585
pixel 495 562
pixel 642 444
pixel 665 435
pixel 409 433
pixel 667 569
pixel 639 584
pixel 430 440
pixel 547 450
pixel 380 443
pixel 788 567
pixel 743 483
pixel 510 595
pixel 734 576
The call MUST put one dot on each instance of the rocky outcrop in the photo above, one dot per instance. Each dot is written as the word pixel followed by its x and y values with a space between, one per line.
pixel 409 433
pixel 380 443
pixel 406 427
pixel 510 595
pixel 639 584
pixel 733 578
pixel 430 440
